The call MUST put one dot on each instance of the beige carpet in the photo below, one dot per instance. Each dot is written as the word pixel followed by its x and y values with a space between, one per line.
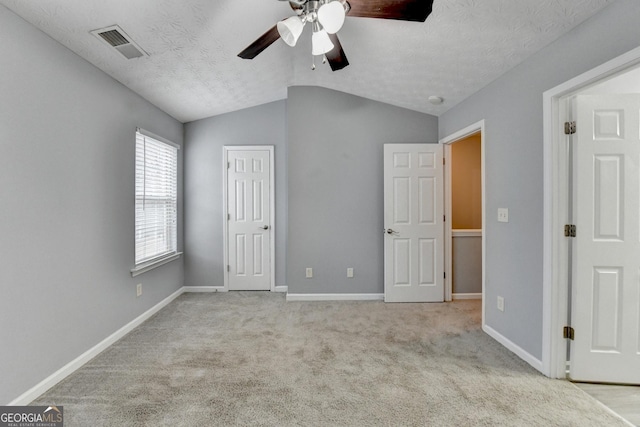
pixel 252 359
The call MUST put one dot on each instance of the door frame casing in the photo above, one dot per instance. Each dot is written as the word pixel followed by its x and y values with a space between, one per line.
pixel 555 208
pixel 272 208
pixel 472 129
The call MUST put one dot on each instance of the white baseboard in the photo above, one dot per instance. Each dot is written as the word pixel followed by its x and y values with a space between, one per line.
pixel 204 289
pixel 514 348
pixel 53 379
pixel 335 297
pixel 466 296
pixel 222 289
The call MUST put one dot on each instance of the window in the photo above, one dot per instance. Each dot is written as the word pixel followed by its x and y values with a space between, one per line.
pixel 156 198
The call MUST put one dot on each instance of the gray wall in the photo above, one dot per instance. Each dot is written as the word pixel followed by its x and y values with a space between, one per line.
pixel 466 254
pixel 204 141
pixel 335 182
pixel 67 138
pixel 512 109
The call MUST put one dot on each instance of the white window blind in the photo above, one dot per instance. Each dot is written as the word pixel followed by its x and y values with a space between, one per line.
pixel 156 198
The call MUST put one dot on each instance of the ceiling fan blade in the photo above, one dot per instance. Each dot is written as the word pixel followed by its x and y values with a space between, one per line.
pixel 263 42
pixel 404 10
pixel 336 57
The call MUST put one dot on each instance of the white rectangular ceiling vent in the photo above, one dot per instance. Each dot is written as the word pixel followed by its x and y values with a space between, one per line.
pixel 115 37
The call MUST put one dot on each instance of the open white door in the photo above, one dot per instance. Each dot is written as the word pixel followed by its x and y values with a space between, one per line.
pixel 606 251
pixel 413 218
pixel 249 219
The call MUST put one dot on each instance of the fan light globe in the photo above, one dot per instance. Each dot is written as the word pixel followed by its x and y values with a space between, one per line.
pixel 331 16
pixel 290 30
pixel 320 43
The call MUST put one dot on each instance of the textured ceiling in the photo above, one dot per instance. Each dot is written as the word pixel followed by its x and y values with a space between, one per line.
pixel 192 70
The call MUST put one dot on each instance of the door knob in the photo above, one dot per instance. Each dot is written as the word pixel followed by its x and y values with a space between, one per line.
pixel 390 231
pixel 264 227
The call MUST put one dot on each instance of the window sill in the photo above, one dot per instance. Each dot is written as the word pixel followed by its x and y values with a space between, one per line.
pixel 143 268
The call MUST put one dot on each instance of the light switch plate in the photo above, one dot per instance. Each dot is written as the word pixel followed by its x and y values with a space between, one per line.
pixel 503 215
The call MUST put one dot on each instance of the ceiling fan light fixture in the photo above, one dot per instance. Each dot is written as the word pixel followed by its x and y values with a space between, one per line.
pixel 320 43
pixel 290 29
pixel 331 15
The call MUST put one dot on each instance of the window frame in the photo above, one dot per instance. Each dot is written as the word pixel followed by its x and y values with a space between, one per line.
pixel 160 258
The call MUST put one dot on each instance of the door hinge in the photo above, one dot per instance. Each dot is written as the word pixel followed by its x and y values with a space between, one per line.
pixel 445 274
pixel 569 128
pixel 229 216
pixel 568 332
pixel 228 165
pixel 444 161
pixel 570 230
pixel 444 218
pixel 228 267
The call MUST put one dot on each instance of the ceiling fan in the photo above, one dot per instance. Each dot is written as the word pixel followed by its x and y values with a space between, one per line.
pixel 326 18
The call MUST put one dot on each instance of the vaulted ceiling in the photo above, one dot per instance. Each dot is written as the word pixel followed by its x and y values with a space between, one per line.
pixel 192 70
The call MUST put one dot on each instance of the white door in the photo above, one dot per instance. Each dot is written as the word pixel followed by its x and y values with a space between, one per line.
pixel 413 221
pixel 606 297
pixel 249 220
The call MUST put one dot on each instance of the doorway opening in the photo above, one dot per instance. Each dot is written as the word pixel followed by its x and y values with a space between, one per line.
pixel 466 218
pixel 465 214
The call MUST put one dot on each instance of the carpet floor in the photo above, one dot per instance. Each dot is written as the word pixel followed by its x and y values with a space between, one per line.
pixel 252 359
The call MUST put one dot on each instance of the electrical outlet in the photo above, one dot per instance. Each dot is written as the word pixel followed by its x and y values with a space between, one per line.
pixel 503 215
pixel 309 272
pixel 500 303
pixel 139 289
pixel 350 272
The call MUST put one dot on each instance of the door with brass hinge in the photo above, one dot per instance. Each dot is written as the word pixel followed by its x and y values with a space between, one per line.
pixel 605 306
